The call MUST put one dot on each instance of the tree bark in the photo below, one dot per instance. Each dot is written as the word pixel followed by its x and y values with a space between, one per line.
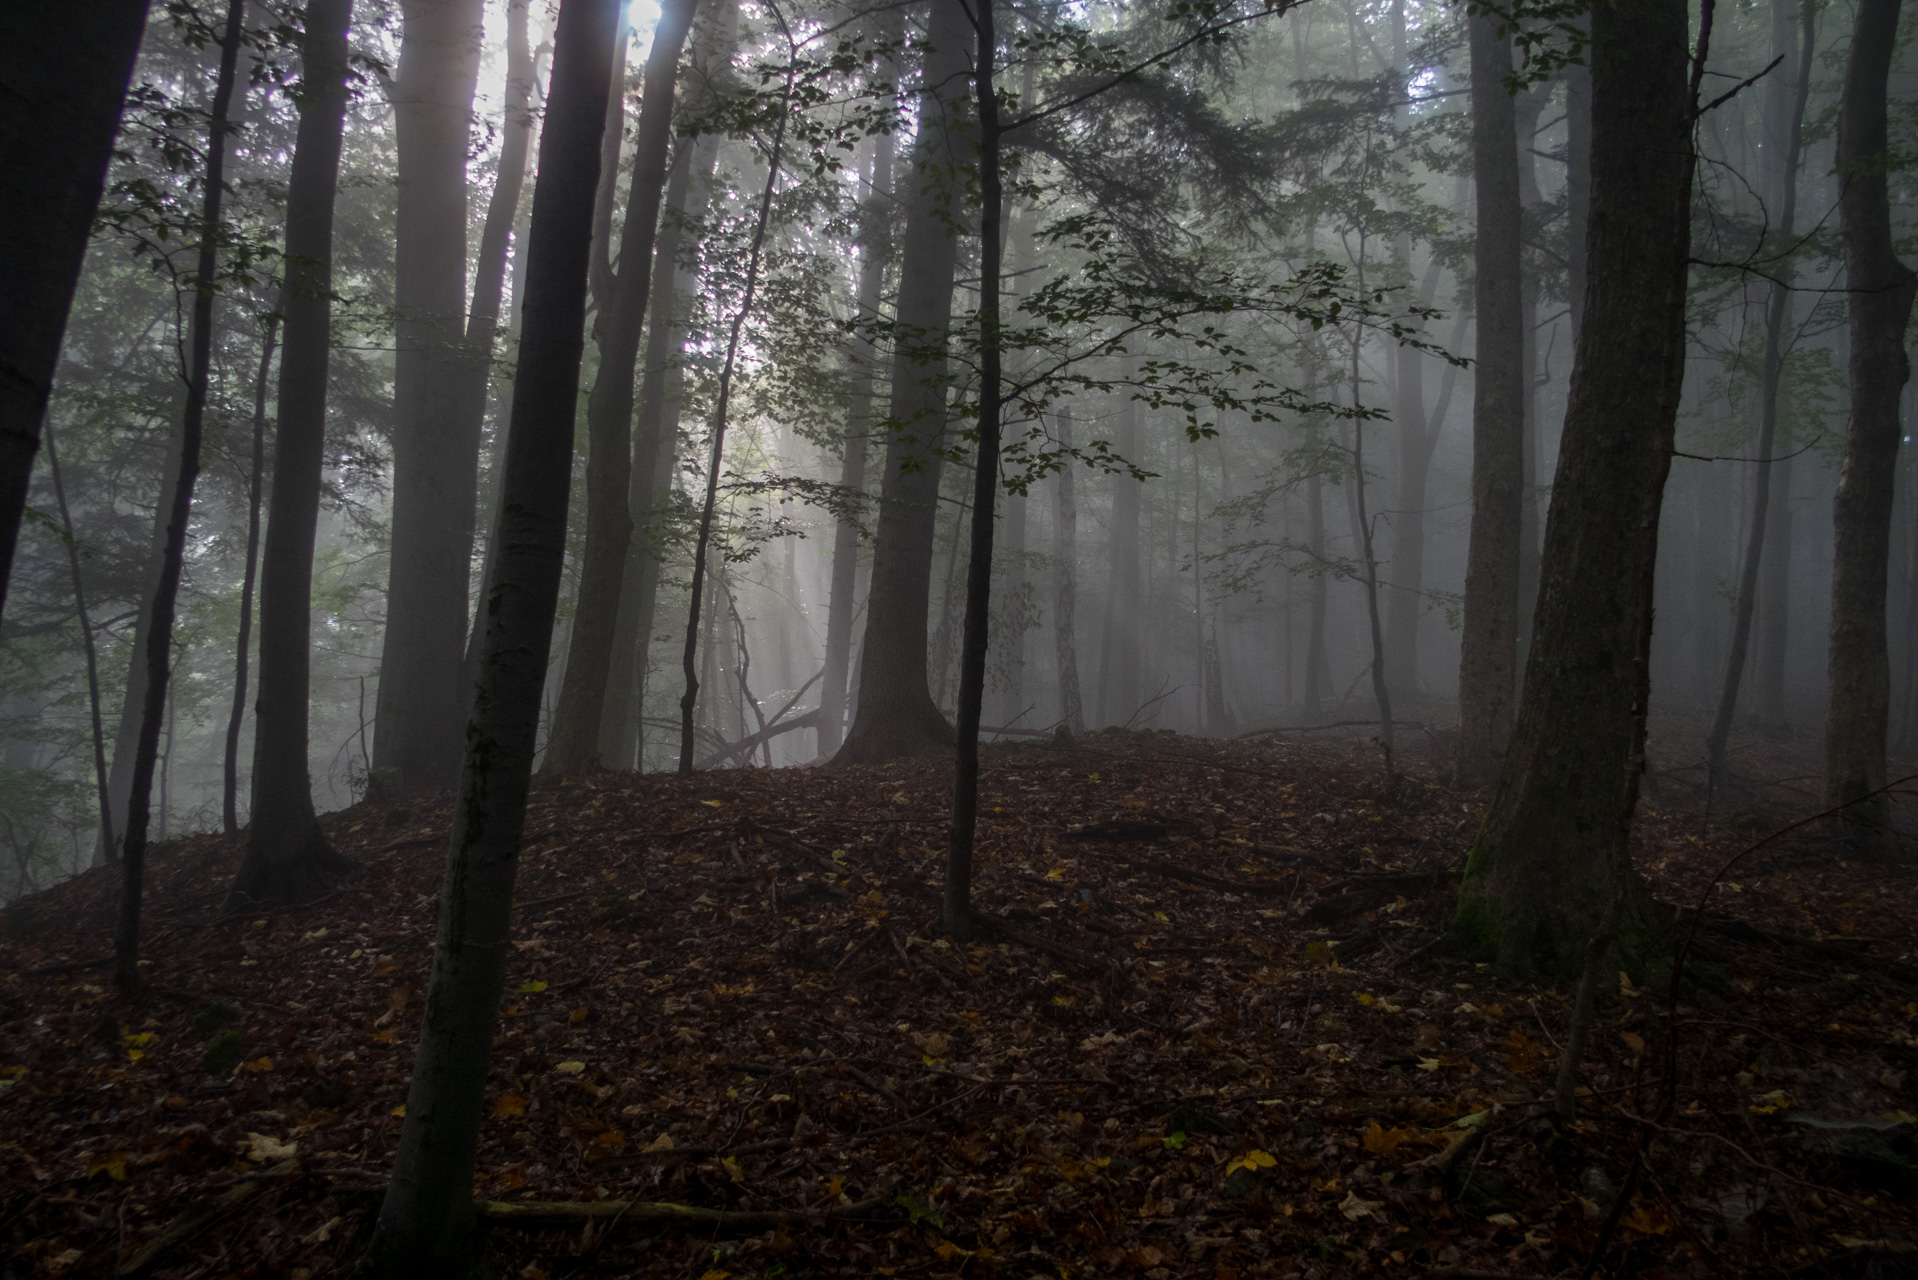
pixel 575 742
pixel 86 639
pixel 159 638
pixel 1553 851
pixel 1785 120
pixel 1065 560
pixel 896 716
pixel 426 1225
pixel 63 78
pixel 1119 642
pixel 1318 666
pixel 422 698
pixel 1879 291
pixel 287 856
pixel 1418 437
pixel 243 641
pixel 1489 643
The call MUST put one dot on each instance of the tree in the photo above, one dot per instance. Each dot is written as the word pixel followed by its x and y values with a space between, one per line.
pixel 287 855
pixel 1119 640
pixel 63 77
pixel 243 642
pixel 1488 649
pixel 575 739
pixel 179 509
pixel 1878 289
pixel 422 698
pixel 896 715
pixel 425 1226
pixel 1553 853
pixel 1065 555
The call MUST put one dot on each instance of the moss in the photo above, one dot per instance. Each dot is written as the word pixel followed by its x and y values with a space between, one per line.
pixel 1476 923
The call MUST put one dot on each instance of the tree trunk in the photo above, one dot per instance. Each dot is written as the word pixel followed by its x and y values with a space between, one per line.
pixel 1065 561
pixel 1119 677
pixel 1879 291
pixel 897 716
pixel 63 77
pixel 422 700
pixel 1418 436
pixel 287 856
pixel 575 741
pixel 875 242
pixel 242 643
pixel 1553 853
pixel 426 1224
pixel 1489 643
pixel 159 638
pixel 1784 123
pixel 1318 668
pixel 86 639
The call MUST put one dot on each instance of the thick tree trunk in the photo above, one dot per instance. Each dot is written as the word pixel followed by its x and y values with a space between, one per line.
pixel 243 641
pixel 179 508
pixel 426 1224
pixel 875 245
pixel 1065 562
pixel 1553 853
pixel 63 77
pixel 1784 125
pixel 1879 291
pixel 422 698
pixel 287 856
pixel 575 741
pixel 1488 651
pixel 1119 677
pixel 897 716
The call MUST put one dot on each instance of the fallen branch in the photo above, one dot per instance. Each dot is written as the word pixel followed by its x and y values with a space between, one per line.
pixel 199 1218
pixel 543 1213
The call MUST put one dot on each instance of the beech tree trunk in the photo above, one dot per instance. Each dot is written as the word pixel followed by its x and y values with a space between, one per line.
pixel 287 856
pixel 1065 559
pixel 896 716
pixel 1119 677
pixel 1418 437
pixel 422 697
pixel 426 1226
pixel 63 79
pixel 1488 649
pixel 1785 118
pixel 243 642
pixel 179 508
pixel 1553 855
pixel 575 741
pixel 1318 667
pixel 1879 293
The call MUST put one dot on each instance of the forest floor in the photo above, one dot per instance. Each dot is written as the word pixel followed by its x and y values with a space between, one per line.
pixel 1213 1029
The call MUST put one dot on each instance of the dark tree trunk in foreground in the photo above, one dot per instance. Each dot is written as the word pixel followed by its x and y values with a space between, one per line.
pixel 574 743
pixel 1784 118
pixel 874 243
pixel 1488 651
pixel 1553 853
pixel 426 1226
pixel 422 698
pixel 63 78
pixel 985 493
pixel 287 856
pixel 897 716
pixel 243 642
pixel 1879 291
pixel 159 639
pixel 1065 594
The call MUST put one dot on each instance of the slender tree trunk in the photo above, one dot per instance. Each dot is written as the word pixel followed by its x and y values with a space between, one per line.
pixel 575 741
pixel 897 716
pixel 1318 669
pixel 256 479
pixel 1785 115
pixel 1418 435
pixel 1879 291
pixel 63 77
pixel 875 243
pixel 1489 644
pixel 1065 562
pixel 1381 691
pixel 1769 704
pixel 985 493
pixel 1554 847
pixel 426 1226
pixel 689 700
pixel 1119 677
pixel 287 856
pixel 86 638
pixel 422 698
pixel 159 647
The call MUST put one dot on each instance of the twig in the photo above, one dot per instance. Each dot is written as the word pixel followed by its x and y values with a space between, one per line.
pixel 538 1213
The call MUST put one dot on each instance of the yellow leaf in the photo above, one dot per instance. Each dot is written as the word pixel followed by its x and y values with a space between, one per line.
pixel 947 1250
pixel 531 988
pixel 1649 1222
pixel 715 1273
pixel 714 804
pixel 1769 1103
pixel 400 1111
pixel 1253 1160
pixel 509 1104
pixel 259 1065
pixel 571 1068
pixel 1379 1140
pixel 1502 1220
pixel 1633 1041
pixel 733 1171
pixel 1366 998
pixel 1057 873
pixel 664 1142
pixel 1428 1064
pixel 113 1164
pixel 140 1039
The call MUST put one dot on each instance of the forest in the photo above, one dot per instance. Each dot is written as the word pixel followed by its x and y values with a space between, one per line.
pixel 746 638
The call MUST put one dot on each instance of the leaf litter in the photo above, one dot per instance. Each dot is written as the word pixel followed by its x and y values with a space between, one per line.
pixel 1210 1026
